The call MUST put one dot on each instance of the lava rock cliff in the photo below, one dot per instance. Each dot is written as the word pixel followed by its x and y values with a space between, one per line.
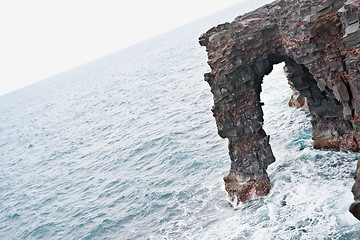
pixel 319 41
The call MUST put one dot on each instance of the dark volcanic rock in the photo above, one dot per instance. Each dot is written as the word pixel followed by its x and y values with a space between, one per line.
pixel 319 41
pixel 355 207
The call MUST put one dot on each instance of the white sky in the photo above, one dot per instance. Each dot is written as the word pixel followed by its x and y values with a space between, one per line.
pixel 40 38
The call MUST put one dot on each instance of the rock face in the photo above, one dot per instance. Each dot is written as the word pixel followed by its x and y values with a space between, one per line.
pixel 319 41
pixel 355 207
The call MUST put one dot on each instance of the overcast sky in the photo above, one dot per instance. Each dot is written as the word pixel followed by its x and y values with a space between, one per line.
pixel 40 38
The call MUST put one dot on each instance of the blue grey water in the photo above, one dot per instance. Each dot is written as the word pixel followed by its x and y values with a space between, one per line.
pixel 126 147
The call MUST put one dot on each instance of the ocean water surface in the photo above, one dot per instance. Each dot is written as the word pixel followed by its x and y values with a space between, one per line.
pixel 126 147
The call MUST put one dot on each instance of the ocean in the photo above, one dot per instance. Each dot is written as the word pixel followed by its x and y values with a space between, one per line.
pixel 126 147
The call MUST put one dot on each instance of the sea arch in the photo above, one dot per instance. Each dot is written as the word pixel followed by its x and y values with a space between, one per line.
pixel 241 53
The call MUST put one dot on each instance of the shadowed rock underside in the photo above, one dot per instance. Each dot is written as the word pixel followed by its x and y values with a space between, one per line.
pixel 319 41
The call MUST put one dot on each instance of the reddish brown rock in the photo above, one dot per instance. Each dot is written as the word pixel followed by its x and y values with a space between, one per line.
pixel 242 190
pixel 298 101
pixel 319 41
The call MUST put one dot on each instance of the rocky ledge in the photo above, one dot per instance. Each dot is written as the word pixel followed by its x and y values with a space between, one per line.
pixel 319 41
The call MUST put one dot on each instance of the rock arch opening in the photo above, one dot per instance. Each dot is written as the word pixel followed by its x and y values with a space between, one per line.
pixel 284 111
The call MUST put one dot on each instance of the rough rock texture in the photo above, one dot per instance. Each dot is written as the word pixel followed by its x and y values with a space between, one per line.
pixel 319 42
pixel 355 207
pixel 296 100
